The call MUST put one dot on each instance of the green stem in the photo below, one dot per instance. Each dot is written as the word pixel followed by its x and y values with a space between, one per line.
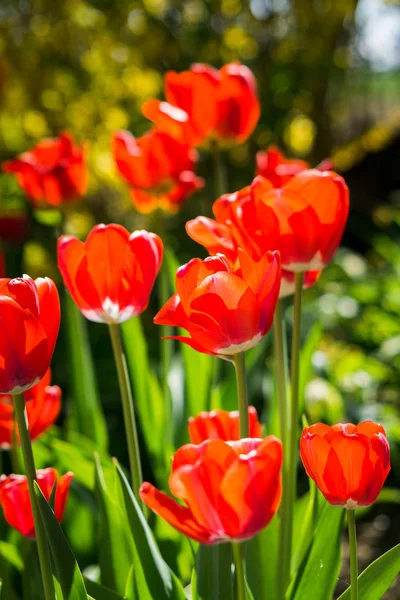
pixel 220 176
pixel 294 416
pixel 238 557
pixel 283 573
pixel 351 522
pixel 128 408
pixel 240 368
pixel 43 549
pixel 16 467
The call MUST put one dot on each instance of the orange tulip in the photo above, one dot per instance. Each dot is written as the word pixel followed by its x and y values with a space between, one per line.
pixel 304 220
pixel 43 404
pixel 52 173
pixel 223 312
pixel 349 463
pixel 159 169
pixel 16 504
pixel 111 275
pixel 221 425
pixel 206 104
pixel 30 320
pixel 231 490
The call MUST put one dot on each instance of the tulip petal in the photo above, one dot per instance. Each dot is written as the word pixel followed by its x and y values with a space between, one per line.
pixel 176 515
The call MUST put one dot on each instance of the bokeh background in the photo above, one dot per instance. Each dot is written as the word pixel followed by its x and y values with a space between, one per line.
pixel 328 75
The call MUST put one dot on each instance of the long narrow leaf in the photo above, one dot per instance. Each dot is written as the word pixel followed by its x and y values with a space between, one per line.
pixel 317 578
pixel 67 570
pixel 376 579
pixel 213 578
pixel 115 546
pixel 154 577
pixel 261 562
pixel 100 592
pixel 87 413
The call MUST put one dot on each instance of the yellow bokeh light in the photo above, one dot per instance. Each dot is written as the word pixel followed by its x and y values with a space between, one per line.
pixel 35 124
pixel 299 135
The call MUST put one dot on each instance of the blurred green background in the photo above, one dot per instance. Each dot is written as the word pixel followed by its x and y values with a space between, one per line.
pixel 328 75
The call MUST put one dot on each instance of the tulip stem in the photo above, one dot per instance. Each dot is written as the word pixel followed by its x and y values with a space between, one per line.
pixel 280 378
pixel 240 368
pixel 127 408
pixel 43 549
pixel 351 522
pixel 238 556
pixel 294 416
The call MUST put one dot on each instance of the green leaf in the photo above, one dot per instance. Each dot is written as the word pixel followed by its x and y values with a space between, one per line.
pixel 376 579
pixel 261 562
pixel 100 592
pixel 153 577
pixel 130 586
pixel 154 412
pixel 305 534
pixel 318 575
pixel 213 573
pixel 66 567
pixel 115 546
pixel 87 413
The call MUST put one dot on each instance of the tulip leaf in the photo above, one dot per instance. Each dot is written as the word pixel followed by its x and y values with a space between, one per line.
pixel 115 546
pixel 377 578
pixel 87 414
pixel 67 571
pixel 153 577
pixel 317 577
pixel 305 532
pixel 213 573
pixel 261 562
pixel 100 592
pixel 153 411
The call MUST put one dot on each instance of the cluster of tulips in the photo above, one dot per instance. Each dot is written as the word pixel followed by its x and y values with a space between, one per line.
pixel 267 241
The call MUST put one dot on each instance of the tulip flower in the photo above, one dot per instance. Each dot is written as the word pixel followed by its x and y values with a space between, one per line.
pixel 225 313
pixel 30 320
pixel 53 173
pixel 111 275
pixel 230 490
pixel 15 502
pixel 43 404
pixel 221 425
pixel 304 220
pixel 206 105
pixel 158 168
pixel 349 463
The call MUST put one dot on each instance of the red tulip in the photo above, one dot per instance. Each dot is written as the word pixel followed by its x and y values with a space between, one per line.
pixel 111 275
pixel 237 226
pixel 15 501
pixel 159 169
pixel 304 220
pixel 30 320
pixel 349 463
pixel 43 404
pixel 231 490
pixel 223 312
pixel 221 425
pixel 52 173
pixel 206 104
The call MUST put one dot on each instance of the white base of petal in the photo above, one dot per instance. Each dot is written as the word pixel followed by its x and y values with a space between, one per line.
pixel 315 264
pixel 110 313
pixel 236 348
